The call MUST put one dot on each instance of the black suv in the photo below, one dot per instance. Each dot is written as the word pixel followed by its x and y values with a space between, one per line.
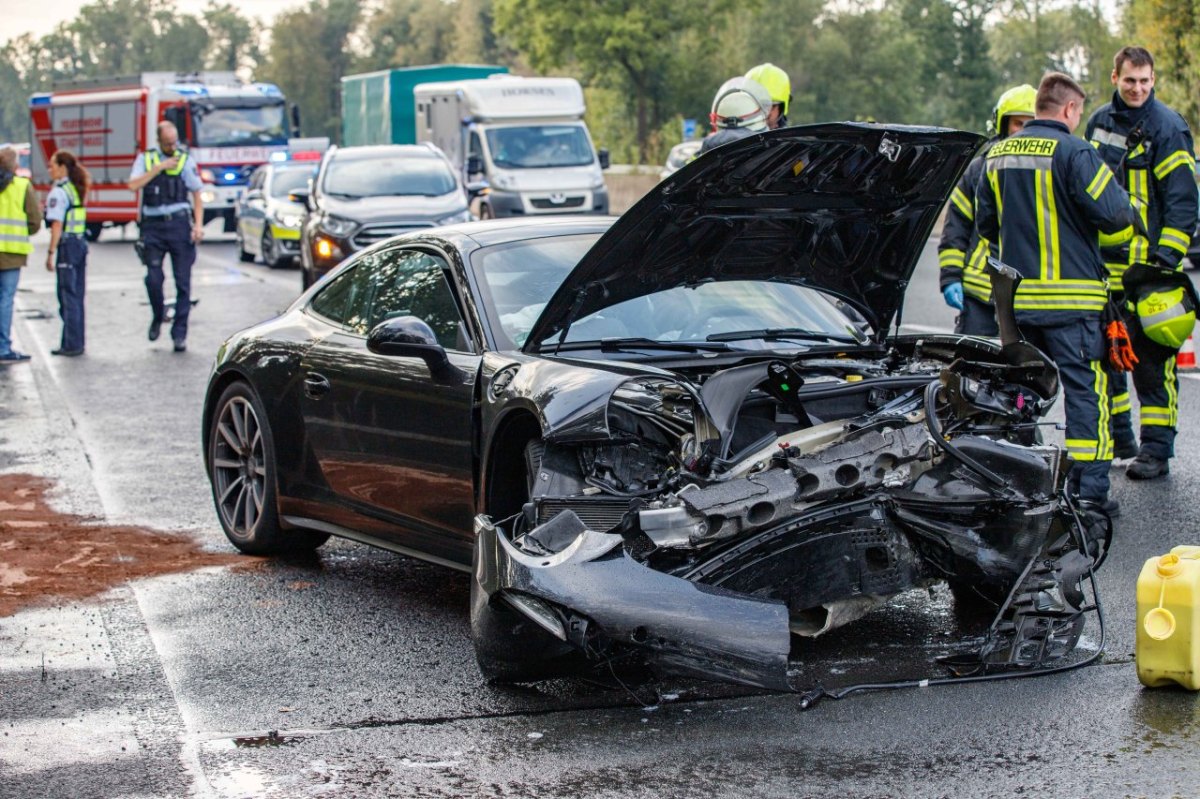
pixel 362 195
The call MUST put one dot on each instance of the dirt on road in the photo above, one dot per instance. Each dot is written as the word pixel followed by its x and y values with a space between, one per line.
pixel 47 556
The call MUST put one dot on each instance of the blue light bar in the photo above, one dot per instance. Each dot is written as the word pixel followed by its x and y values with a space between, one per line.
pixel 188 88
pixel 40 99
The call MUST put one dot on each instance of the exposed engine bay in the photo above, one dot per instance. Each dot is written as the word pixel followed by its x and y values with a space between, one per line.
pixel 730 513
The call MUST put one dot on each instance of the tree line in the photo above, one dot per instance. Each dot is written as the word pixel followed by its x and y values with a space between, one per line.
pixel 645 64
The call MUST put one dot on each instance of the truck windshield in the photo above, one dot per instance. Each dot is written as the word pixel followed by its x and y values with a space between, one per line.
pixel 538 146
pixel 240 125
pixel 389 177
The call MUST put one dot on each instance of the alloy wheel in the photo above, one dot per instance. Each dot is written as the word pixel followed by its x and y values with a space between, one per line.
pixel 239 466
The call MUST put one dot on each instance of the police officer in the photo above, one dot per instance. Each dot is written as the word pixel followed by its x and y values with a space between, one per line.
pixel 1149 146
pixel 1044 198
pixel 779 87
pixel 166 176
pixel 962 254
pixel 739 109
pixel 20 218
pixel 67 219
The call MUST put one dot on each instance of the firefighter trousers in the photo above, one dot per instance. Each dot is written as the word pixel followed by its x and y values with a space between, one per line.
pixel 1157 387
pixel 1077 349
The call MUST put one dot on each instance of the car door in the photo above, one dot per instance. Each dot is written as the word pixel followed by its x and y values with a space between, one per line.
pixel 392 442
pixel 252 211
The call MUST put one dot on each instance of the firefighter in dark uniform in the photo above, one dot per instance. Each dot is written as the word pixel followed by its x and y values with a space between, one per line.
pixel 962 254
pixel 171 223
pixel 1044 198
pixel 1149 147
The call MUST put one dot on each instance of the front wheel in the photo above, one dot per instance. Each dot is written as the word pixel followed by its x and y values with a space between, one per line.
pixel 241 458
pixel 270 258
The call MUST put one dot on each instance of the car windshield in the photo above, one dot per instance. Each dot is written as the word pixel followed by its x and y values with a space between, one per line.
pixel 389 176
pixel 537 146
pixel 230 126
pixel 288 180
pixel 519 279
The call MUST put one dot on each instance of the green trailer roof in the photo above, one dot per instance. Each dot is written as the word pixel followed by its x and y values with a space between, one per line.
pixel 378 108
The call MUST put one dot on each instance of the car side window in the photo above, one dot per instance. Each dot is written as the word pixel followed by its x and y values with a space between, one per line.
pixel 337 301
pixel 414 283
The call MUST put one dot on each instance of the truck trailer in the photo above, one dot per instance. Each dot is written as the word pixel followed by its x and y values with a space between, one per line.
pixel 228 126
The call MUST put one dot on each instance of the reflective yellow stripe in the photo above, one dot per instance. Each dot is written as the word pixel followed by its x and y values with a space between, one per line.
pixel 1047 224
pixel 1115 239
pixel 1082 449
pixel 1061 295
pixel 1116 275
pixel 284 233
pixel 1156 417
pixel 1121 404
pixel 1098 184
pixel 1105 444
pixel 964 206
pixel 1172 162
pixel 76 220
pixel 1171 383
pixel 1139 179
pixel 949 258
pixel 1175 238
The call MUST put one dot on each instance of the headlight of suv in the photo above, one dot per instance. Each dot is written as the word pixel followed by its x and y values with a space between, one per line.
pixel 504 182
pixel 336 226
pixel 288 220
pixel 459 216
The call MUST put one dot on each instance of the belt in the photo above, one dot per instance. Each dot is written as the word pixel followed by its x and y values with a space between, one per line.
pixel 165 217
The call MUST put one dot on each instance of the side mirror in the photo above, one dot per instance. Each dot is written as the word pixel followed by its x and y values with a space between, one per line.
pixel 474 165
pixel 602 155
pixel 254 196
pixel 302 196
pixel 410 337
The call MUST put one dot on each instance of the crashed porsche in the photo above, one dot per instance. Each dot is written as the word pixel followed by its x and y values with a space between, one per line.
pixel 709 519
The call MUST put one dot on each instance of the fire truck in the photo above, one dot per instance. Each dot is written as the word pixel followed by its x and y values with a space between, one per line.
pixel 228 126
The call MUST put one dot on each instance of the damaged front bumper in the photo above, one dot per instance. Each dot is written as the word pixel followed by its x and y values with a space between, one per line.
pixel 593 595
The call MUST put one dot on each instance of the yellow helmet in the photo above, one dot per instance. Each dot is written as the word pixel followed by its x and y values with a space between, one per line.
pixel 1165 302
pixel 775 81
pixel 1017 101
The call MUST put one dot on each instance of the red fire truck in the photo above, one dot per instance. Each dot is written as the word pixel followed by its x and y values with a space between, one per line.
pixel 229 127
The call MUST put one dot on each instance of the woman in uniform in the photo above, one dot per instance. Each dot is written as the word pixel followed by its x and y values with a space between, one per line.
pixel 67 219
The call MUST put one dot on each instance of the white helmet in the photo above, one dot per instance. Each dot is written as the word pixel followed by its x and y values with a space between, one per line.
pixel 741 103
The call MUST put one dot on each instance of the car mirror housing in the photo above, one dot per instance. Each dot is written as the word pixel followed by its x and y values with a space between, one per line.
pixel 474 165
pixel 301 196
pixel 411 337
pixel 603 157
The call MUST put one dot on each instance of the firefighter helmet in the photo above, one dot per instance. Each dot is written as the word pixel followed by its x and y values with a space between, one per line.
pixel 775 81
pixel 741 103
pixel 1165 303
pixel 1017 101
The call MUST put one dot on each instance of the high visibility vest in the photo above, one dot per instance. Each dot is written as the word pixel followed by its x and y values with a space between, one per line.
pixel 14 222
pixel 76 221
pixel 168 187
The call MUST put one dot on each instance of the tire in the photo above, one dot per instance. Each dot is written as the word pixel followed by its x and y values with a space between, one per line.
pixel 91 231
pixel 243 256
pixel 270 258
pixel 241 464
pixel 510 648
pixel 485 212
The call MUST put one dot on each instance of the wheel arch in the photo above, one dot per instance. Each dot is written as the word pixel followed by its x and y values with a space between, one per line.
pixel 504 463
pixel 216 388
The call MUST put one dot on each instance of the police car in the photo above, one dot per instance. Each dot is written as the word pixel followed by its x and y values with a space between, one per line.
pixel 268 223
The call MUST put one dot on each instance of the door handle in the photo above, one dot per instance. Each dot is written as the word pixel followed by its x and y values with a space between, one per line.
pixel 316 385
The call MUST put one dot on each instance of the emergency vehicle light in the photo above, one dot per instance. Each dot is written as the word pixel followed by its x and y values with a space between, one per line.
pixel 40 99
pixel 279 156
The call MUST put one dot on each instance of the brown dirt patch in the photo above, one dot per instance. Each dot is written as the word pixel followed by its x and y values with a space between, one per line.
pixel 48 555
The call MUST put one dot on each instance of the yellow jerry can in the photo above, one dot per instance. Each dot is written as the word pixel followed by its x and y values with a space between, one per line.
pixel 1168 631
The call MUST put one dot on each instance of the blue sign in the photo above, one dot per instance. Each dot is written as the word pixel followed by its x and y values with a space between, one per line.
pixel 689 129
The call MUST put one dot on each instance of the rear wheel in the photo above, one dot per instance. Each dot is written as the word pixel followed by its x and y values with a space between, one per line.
pixel 269 256
pixel 243 255
pixel 241 457
pixel 508 646
pixel 485 212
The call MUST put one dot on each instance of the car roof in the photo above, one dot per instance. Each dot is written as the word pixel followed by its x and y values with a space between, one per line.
pixel 382 150
pixel 502 231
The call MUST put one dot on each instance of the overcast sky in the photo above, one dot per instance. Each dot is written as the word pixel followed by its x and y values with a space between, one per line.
pixel 39 17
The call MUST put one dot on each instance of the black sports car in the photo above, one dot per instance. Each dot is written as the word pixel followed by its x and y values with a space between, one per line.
pixel 685 434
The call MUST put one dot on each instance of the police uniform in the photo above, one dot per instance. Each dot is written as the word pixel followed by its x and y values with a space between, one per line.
pixel 1043 198
pixel 1158 173
pixel 167 228
pixel 66 206
pixel 962 256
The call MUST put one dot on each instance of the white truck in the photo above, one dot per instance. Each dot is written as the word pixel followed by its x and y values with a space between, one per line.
pixel 521 143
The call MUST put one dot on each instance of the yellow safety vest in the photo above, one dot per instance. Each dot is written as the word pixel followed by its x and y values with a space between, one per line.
pixel 76 221
pixel 14 222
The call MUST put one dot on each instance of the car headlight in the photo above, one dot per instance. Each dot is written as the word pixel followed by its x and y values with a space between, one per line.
pixel 337 226
pixel 505 182
pixel 208 196
pixel 288 220
pixel 458 216
pixel 598 183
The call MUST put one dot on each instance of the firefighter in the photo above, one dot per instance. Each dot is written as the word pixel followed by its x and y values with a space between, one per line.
pixel 20 218
pixel 166 177
pixel 1044 198
pixel 779 87
pixel 1149 147
pixel 739 109
pixel 962 254
pixel 66 217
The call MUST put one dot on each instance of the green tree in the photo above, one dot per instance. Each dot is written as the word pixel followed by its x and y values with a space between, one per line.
pixel 232 38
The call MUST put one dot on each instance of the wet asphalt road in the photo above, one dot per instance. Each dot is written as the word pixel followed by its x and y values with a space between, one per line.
pixel 351 674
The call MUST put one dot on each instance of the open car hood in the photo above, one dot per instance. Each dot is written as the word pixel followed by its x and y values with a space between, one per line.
pixel 845 208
